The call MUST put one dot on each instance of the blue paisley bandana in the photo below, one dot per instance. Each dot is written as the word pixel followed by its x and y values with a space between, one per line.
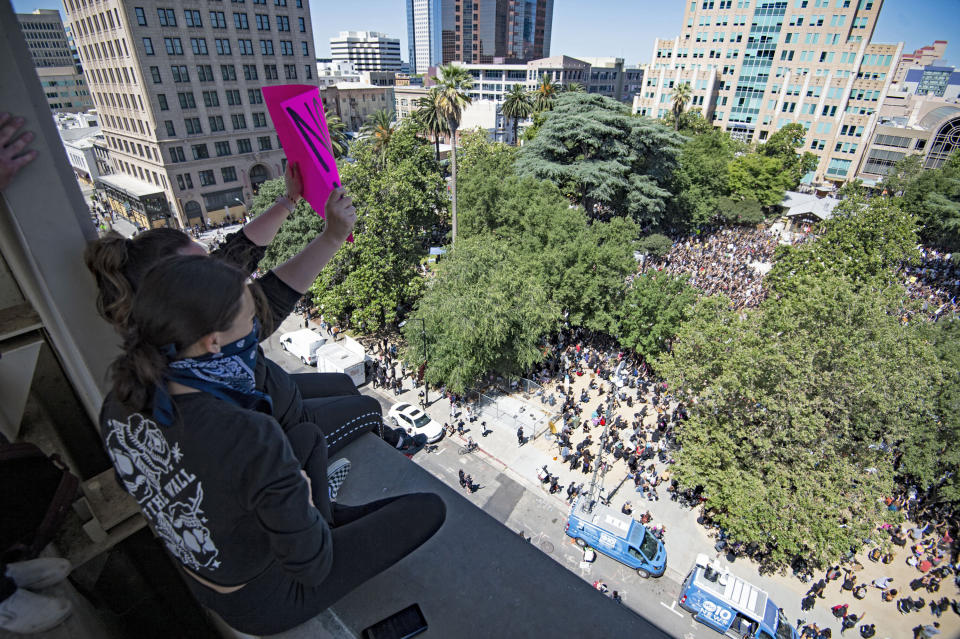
pixel 227 375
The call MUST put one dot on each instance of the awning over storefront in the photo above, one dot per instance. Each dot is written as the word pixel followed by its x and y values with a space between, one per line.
pixel 131 186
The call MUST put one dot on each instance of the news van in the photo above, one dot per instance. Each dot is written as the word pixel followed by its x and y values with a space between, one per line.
pixel 616 535
pixel 731 606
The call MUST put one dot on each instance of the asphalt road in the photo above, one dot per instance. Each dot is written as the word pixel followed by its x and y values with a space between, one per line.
pixel 525 508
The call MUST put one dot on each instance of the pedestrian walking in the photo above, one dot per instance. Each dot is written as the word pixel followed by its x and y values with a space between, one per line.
pixel 520 438
pixel 463 479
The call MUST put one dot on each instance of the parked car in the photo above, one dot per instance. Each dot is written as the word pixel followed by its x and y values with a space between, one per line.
pixel 414 421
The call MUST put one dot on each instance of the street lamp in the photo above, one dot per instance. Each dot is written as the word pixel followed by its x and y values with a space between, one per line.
pixel 423 337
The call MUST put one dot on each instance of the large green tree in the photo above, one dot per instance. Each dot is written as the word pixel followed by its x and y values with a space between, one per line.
pixel 485 311
pixel 655 306
pixel 934 197
pixel 864 242
pixel 703 176
pixel 603 158
pixel 398 203
pixel 774 168
pixel 799 406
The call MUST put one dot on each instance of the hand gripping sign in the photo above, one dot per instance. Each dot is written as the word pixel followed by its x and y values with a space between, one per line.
pixel 297 114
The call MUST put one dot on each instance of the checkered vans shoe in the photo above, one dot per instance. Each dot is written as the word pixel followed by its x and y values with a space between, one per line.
pixel 336 474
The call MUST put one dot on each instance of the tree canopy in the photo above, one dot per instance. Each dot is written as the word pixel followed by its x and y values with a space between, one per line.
pixel 398 203
pixel 603 158
pixel 656 305
pixel 296 232
pixel 934 197
pixel 773 169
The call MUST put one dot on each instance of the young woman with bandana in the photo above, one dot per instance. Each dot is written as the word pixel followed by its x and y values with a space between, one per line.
pixel 243 506
pixel 330 400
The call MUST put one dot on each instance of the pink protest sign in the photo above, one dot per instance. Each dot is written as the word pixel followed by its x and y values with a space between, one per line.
pixel 297 114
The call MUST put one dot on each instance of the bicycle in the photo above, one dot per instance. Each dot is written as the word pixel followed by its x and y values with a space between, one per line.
pixel 469 448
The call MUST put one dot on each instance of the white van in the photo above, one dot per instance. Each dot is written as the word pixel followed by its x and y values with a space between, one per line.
pixel 303 344
pixel 337 358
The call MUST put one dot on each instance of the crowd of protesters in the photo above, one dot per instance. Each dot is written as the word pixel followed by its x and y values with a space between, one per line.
pixel 935 283
pixel 729 261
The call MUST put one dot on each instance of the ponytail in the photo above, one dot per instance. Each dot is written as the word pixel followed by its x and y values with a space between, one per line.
pixel 107 259
pixel 137 372
pixel 118 264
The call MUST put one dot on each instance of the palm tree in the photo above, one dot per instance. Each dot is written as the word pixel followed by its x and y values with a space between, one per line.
pixel 379 126
pixel 518 106
pixel 429 115
pixel 575 87
pixel 681 96
pixel 454 83
pixel 338 134
pixel 544 94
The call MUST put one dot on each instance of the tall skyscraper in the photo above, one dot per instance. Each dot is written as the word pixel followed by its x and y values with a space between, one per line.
pixel 368 50
pixel 61 77
pixel 423 34
pixel 177 88
pixel 478 31
pixel 756 65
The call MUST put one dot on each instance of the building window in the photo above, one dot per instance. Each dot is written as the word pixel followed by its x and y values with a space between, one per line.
pixel 240 21
pixel 216 123
pixel 290 71
pixel 148 46
pixel 263 22
pixel 286 47
pixel 265 143
pixel 167 17
pixel 266 47
pixel 176 154
pixel 192 18
pixel 141 16
pixel 218 20
pixel 180 73
pixel 229 174
pixel 211 98
pixel 239 121
pixel 250 73
pixel 301 24
pixel 174 46
pixel 305 48
pixel 155 75
pixel 171 131
pixel 184 181
pixel 270 72
pixel 245 46
pixel 259 120
pixel 186 100
pixel 233 97
pixel 244 146
pixel 206 177
pixel 200 152
pixel 222 148
pixel 205 72
pixel 283 23
pixel 193 126
pixel 222 46
pixel 254 96
pixel 228 71
pixel 280 3
pixel 162 99
pixel 308 71
pixel 199 46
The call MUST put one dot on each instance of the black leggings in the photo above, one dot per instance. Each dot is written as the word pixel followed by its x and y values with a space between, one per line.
pixel 332 401
pixel 367 540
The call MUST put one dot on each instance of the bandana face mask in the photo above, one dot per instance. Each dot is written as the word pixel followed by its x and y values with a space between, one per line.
pixel 228 375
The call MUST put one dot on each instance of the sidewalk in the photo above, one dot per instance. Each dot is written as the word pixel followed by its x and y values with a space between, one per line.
pixel 684 537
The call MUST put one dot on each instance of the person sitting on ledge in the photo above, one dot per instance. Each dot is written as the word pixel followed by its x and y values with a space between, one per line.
pixel 247 510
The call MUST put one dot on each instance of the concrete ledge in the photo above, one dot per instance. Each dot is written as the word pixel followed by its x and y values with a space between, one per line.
pixel 475 577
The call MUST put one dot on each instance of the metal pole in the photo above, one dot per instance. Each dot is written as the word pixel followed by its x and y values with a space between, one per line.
pixel 426 355
pixel 594 485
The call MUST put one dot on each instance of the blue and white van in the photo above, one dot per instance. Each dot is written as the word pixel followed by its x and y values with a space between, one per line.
pixel 618 536
pixel 730 605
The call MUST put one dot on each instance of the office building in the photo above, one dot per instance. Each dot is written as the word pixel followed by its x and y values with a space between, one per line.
pixel 424 34
pixel 178 91
pixel 478 31
pixel 609 77
pixel 755 66
pixel 940 80
pixel 355 102
pixel 60 74
pixel 924 56
pixel 367 50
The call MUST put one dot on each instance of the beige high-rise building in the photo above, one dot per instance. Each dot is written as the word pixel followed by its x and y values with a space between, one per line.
pixel 924 56
pixel 61 78
pixel 755 66
pixel 177 86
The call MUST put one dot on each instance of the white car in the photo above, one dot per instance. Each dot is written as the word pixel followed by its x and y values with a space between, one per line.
pixel 414 421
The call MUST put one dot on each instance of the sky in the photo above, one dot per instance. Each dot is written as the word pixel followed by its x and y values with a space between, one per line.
pixel 620 28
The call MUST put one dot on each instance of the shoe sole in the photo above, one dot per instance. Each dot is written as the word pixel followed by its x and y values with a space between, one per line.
pixel 336 475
